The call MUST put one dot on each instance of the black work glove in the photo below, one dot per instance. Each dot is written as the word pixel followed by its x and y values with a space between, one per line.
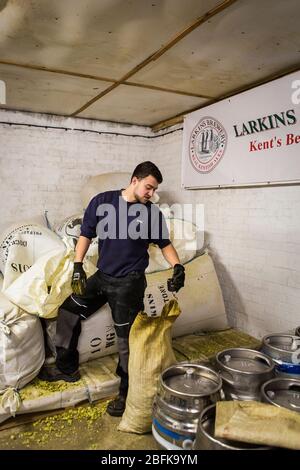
pixel 177 281
pixel 78 283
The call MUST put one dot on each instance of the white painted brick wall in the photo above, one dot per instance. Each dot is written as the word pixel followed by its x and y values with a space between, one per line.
pixel 45 169
pixel 253 233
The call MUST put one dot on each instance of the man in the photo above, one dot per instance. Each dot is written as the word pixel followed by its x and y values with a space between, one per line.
pixel 125 222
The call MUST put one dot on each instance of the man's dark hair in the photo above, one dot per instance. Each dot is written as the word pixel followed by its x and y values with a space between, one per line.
pixel 145 169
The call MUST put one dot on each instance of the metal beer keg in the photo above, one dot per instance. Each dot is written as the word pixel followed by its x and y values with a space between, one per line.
pixel 243 371
pixel 285 352
pixel 282 392
pixel 184 391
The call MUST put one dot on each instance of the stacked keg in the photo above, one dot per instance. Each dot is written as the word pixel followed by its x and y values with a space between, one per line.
pixel 184 408
pixel 285 352
pixel 184 391
pixel 284 390
pixel 243 372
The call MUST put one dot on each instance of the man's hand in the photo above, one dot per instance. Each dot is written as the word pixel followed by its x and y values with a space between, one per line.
pixel 177 281
pixel 78 283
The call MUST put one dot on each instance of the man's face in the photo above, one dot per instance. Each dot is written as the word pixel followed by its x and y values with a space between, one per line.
pixel 144 188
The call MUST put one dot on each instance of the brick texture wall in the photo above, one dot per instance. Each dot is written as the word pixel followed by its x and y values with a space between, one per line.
pixel 46 169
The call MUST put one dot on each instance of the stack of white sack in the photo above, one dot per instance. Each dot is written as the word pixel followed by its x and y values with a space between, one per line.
pixel 37 267
pixel 21 245
pixel 22 352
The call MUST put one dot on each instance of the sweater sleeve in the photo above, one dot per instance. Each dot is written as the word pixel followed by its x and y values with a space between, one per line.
pixel 89 223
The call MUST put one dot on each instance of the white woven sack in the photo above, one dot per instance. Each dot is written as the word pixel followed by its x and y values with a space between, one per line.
pixel 21 246
pixel 46 285
pixel 98 381
pixel 97 338
pixel 107 182
pixel 22 352
pixel 200 300
pixel 69 229
pixel 183 235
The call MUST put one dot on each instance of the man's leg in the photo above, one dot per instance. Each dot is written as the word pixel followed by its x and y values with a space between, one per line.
pixel 125 300
pixel 71 313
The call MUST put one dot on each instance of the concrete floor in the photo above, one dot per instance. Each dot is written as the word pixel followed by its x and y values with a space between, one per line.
pixel 86 427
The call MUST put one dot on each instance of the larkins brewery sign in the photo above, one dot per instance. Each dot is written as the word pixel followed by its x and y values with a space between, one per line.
pixel 251 138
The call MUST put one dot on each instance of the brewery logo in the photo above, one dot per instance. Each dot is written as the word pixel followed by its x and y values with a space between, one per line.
pixel 207 144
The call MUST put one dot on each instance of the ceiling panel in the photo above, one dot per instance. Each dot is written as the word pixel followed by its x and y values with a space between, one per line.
pixel 105 38
pixel 46 92
pixel 238 47
pixel 246 42
pixel 138 106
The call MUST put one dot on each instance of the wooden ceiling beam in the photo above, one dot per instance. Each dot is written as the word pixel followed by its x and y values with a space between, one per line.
pixel 59 71
pixel 168 90
pixel 102 79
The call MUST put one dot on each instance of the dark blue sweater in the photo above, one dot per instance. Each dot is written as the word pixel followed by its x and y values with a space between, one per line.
pixel 125 230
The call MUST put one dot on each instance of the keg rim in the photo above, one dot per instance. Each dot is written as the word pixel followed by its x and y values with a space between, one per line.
pixel 280 335
pixel 210 372
pixel 278 380
pixel 269 361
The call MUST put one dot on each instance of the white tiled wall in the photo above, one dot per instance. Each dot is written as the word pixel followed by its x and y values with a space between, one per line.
pixel 253 233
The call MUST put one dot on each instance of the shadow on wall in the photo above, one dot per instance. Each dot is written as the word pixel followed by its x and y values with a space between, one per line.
pixel 232 299
pixel 3 4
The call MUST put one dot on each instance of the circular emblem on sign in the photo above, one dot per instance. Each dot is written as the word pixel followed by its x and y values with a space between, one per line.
pixel 207 144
